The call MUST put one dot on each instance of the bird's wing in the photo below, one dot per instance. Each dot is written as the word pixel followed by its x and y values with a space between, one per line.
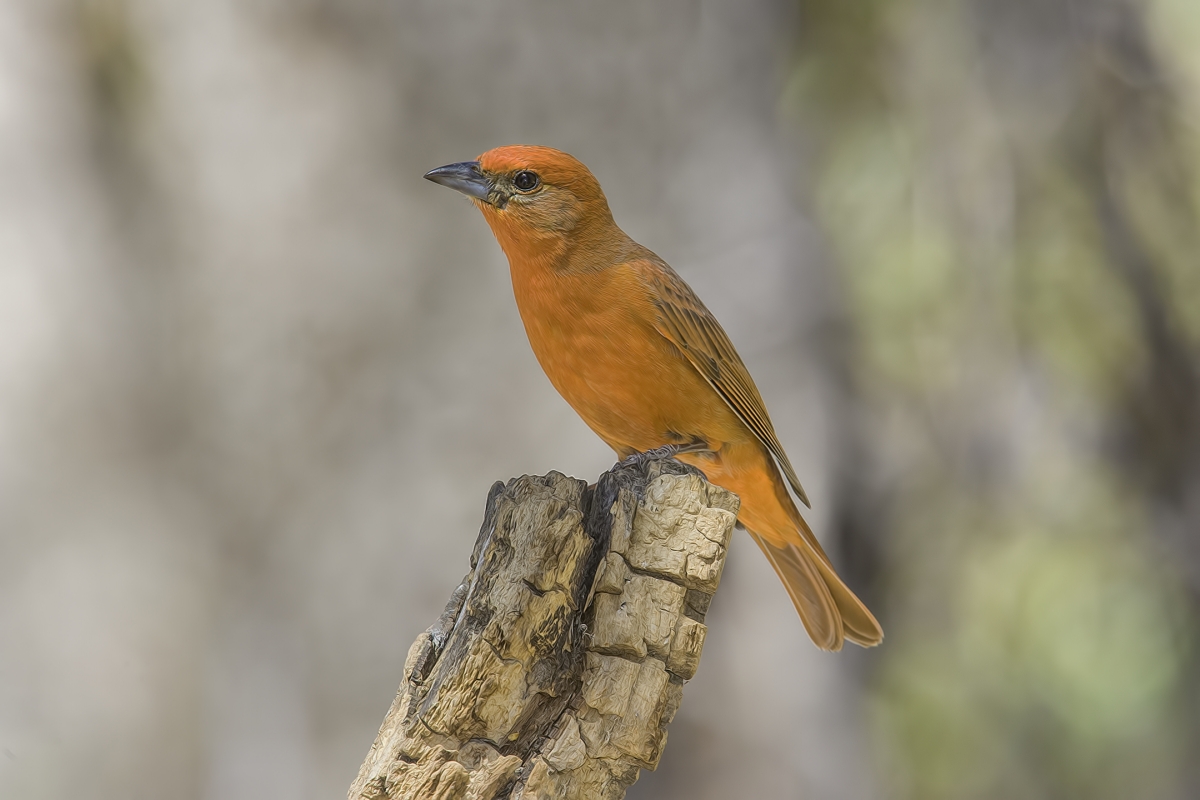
pixel 691 327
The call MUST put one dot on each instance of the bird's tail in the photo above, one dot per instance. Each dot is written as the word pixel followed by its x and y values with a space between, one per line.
pixel 829 610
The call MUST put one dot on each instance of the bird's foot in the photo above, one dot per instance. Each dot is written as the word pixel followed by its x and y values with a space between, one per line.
pixel 666 451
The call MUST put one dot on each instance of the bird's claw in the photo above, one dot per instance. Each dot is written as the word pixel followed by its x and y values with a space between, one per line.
pixel 666 451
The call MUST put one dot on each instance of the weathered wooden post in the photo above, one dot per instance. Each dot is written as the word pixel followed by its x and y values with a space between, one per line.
pixel 560 659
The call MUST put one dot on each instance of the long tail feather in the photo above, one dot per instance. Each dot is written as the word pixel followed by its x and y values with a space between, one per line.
pixel 827 607
pixel 859 623
pixel 861 626
pixel 809 592
pixel 829 610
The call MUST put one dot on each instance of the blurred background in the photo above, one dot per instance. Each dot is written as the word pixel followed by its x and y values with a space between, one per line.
pixel 256 376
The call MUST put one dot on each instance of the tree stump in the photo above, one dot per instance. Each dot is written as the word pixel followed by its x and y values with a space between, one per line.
pixel 560 659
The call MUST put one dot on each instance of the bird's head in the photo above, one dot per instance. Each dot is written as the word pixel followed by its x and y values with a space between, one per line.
pixel 533 197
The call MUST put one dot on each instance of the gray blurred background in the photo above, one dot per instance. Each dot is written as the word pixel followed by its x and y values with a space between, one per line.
pixel 256 376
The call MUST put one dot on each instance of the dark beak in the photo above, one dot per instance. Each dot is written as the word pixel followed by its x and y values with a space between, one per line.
pixel 465 177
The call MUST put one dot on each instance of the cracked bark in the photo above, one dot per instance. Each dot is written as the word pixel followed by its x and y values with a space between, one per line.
pixel 560 659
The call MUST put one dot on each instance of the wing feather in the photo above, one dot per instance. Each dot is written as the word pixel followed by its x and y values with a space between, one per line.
pixel 691 327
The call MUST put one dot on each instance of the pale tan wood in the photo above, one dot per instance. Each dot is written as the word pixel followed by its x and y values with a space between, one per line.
pixel 560 660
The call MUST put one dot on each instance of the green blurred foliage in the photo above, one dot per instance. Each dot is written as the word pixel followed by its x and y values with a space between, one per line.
pixel 1009 191
pixel 111 57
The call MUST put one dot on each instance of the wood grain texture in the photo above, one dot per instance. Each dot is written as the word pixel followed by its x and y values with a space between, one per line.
pixel 560 659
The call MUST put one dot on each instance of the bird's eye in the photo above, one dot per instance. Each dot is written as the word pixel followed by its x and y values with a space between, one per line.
pixel 526 181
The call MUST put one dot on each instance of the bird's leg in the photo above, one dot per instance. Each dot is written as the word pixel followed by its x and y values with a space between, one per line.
pixel 666 451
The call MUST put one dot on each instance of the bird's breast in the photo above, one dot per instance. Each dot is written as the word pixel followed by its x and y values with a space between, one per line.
pixel 595 337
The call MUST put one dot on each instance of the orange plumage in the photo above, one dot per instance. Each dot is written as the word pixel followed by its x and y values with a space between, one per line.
pixel 633 350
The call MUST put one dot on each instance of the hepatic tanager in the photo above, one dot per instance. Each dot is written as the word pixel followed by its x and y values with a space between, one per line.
pixel 633 350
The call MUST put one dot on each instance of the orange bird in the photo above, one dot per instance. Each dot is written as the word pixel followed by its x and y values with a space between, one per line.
pixel 633 350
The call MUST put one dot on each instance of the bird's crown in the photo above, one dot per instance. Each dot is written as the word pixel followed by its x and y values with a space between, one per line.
pixel 545 164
